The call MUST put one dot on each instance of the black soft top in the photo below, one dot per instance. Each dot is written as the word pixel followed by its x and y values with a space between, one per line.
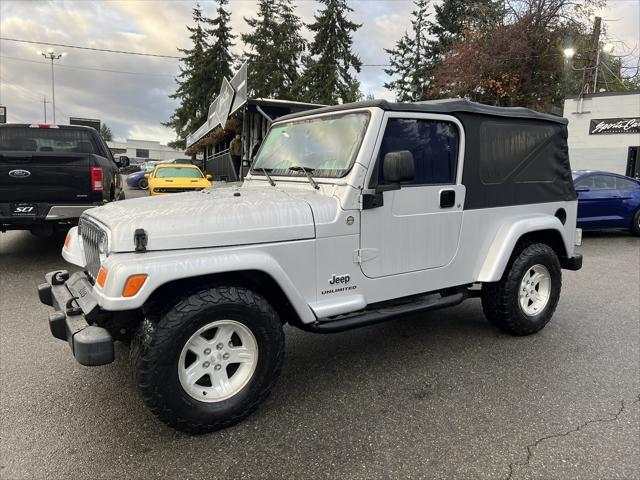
pixel 450 106
pixel 512 156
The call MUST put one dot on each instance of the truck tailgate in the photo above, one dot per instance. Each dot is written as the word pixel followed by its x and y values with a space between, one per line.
pixel 45 177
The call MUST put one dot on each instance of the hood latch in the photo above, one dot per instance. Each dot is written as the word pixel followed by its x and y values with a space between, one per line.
pixel 140 240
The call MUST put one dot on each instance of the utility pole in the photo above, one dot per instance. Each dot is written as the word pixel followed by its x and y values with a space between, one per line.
pixel 51 55
pixel 44 103
pixel 591 71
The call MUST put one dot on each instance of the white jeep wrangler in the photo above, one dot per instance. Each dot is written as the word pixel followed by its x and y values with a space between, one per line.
pixel 351 215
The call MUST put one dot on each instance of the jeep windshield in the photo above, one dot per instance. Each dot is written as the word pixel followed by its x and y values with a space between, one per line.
pixel 328 145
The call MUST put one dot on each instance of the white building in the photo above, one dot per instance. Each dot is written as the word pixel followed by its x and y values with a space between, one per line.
pixel 144 150
pixel 604 132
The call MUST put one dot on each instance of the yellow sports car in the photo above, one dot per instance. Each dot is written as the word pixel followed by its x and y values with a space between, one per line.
pixel 175 178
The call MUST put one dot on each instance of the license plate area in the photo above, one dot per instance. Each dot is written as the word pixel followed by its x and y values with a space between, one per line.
pixel 24 209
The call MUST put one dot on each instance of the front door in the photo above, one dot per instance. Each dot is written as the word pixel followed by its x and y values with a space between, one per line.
pixel 599 202
pixel 417 226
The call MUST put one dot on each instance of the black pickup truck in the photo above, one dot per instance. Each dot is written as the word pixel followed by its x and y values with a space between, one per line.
pixel 50 174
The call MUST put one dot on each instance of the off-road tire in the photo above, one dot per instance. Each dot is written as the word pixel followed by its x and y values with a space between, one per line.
pixel 158 342
pixel 635 225
pixel 500 299
pixel 143 184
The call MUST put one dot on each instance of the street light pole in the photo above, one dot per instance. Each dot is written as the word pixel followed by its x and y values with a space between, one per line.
pixel 51 55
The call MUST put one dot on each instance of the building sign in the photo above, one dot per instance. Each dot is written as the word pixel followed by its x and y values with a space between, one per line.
pixel 239 84
pixel 614 125
pixel 3 114
pixel 232 96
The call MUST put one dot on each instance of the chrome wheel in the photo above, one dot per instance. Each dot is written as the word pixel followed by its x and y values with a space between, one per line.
pixel 218 361
pixel 535 290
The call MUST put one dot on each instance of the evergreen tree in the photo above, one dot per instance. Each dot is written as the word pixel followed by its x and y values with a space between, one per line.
pixel 193 83
pixel 219 58
pixel 106 133
pixel 275 50
pixel 327 78
pixel 410 61
pixel 453 16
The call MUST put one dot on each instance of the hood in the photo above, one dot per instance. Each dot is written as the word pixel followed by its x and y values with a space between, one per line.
pixel 211 218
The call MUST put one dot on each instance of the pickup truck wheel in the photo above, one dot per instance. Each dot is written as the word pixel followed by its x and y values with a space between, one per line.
pixel 635 226
pixel 210 360
pixel 524 300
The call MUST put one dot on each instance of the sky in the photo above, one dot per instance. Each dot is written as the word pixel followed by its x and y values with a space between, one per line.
pixel 92 84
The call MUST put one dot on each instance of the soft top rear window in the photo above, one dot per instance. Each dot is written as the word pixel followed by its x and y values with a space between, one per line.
pixel 56 140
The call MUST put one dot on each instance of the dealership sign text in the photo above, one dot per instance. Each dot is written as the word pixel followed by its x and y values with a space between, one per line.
pixel 615 125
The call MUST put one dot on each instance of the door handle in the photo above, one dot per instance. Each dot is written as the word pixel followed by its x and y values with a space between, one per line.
pixel 447 198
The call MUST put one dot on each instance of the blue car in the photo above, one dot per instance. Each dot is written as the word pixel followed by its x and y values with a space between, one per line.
pixel 607 200
pixel 137 180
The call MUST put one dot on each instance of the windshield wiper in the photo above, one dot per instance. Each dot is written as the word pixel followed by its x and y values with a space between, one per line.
pixel 266 174
pixel 307 171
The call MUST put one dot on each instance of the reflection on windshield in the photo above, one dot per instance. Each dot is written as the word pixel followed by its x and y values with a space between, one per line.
pixel 328 145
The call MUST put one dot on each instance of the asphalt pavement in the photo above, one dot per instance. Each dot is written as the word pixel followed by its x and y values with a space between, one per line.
pixel 437 395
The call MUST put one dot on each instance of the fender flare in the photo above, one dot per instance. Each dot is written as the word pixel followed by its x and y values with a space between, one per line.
pixel 505 241
pixel 180 265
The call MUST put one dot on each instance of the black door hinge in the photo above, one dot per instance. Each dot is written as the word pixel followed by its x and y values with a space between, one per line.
pixel 372 200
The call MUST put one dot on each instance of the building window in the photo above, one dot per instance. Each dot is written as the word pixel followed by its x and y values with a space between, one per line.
pixel 142 153
pixel 118 151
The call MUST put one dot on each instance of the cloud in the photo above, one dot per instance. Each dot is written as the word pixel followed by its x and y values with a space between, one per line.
pixel 135 104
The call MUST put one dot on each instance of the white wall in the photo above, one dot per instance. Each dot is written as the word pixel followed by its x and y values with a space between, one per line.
pixel 605 151
pixel 157 151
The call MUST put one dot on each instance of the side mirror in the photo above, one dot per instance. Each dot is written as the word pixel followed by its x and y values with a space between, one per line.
pixel 147 175
pixel 209 177
pixel 398 166
pixel 123 161
pixel 583 189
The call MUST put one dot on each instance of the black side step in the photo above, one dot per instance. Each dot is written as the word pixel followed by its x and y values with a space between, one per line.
pixel 382 314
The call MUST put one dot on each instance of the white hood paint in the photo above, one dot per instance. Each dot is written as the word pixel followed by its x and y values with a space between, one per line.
pixel 214 217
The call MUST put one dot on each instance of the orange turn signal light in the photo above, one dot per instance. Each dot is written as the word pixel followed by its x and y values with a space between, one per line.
pixel 102 276
pixel 67 241
pixel 133 285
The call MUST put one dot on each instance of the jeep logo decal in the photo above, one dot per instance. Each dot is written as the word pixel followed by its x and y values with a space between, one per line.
pixel 336 279
pixel 20 173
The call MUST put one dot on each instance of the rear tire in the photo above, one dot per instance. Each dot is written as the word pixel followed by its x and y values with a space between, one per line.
pixel 635 226
pixel 143 184
pixel 524 300
pixel 209 360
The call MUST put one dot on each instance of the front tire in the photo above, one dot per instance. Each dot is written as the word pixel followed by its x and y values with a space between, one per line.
pixel 143 184
pixel 526 297
pixel 210 360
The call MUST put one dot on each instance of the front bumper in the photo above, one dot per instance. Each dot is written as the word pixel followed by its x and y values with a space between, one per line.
pixel 74 309
pixel 572 263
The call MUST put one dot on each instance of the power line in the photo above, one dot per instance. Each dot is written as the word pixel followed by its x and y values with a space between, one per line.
pixel 78 67
pixel 157 55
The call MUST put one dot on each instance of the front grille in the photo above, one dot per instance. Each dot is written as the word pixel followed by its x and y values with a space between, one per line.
pixel 92 236
pixel 175 190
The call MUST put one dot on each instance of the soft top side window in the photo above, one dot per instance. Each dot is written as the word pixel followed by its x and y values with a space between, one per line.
pixel 434 145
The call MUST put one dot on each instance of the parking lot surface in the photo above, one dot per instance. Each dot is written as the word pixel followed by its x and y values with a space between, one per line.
pixel 439 395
